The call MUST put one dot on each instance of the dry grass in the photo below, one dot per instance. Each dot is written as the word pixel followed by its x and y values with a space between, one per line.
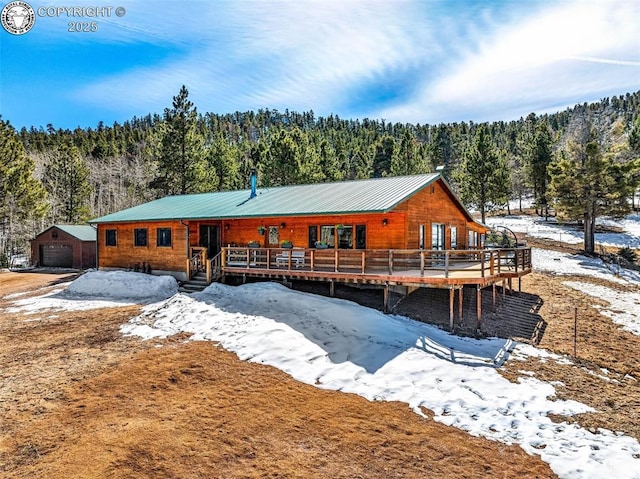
pixel 80 400
pixel 601 345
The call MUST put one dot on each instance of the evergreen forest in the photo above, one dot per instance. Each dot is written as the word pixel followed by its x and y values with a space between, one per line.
pixel 577 164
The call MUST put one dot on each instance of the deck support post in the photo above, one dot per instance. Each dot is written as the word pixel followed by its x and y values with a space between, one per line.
pixel 332 289
pixel 386 298
pixel 452 294
pixel 460 299
pixel 479 305
pixel 494 297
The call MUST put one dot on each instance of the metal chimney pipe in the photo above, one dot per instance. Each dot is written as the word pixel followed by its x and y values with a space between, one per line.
pixel 254 183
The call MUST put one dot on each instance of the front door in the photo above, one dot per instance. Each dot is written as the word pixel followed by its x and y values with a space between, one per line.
pixel 210 239
pixel 273 237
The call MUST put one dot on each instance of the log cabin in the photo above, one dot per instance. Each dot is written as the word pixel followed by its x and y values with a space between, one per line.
pixel 404 231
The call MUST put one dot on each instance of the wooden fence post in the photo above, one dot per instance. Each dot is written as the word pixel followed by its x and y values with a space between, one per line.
pixel 575 332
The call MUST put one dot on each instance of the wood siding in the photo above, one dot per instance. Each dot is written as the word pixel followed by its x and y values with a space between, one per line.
pixel 399 229
pixel 126 255
pixel 296 229
pixel 432 205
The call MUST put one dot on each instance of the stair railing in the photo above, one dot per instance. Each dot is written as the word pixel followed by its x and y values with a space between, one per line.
pixel 197 261
pixel 214 268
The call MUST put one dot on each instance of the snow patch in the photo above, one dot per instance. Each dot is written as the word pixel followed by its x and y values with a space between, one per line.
pixel 123 284
pixel 624 306
pixel 339 345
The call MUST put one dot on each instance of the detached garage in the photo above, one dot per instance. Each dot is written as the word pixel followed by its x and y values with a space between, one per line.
pixel 65 246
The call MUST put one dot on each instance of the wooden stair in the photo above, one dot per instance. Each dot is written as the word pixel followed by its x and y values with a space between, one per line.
pixel 197 283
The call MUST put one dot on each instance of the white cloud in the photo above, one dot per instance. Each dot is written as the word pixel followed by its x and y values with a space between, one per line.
pixel 284 54
pixel 462 64
pixel 560 54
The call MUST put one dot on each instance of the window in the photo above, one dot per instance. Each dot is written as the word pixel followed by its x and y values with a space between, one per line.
pixel 313 236
pixel 140 237
pixel 423 234
pixel 473 240
pixel 454 237
pixel 164 236
pixel 327 234
pixel 361 237
pixel 437 236
pixel 110 238
pixel 345 237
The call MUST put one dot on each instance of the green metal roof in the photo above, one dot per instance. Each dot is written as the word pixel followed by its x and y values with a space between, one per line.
pixel 82 232
pixel 361 196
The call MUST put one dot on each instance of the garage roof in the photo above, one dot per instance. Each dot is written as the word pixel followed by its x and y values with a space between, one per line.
pixel 82 232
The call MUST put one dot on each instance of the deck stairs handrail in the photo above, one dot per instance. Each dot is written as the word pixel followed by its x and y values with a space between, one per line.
pixel 197 260
pixel 214 268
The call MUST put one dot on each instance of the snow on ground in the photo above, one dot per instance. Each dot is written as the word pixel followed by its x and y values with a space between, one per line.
pixel 339 345
pixel 100 289
pixel 555 262
pixel 539 228
pixel 624 306
pixel 124 284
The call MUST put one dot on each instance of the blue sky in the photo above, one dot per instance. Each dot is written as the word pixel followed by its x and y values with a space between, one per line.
pixel 405 61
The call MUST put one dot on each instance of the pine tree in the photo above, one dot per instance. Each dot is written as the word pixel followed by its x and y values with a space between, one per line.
pixel 482 178
pixel 330 162
pixel 280 165
pixel 408 160
pixel 181 155
pixel 22 197
pixel 538 156
pixel 386 151
pixel 223 165
pixel 66 180
pixel 291 159
pixel 586 183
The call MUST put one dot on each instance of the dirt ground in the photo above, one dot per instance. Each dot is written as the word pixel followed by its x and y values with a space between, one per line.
pixel 79 400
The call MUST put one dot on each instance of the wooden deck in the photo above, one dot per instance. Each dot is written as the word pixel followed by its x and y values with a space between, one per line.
pixel 425 268
pixel 450 269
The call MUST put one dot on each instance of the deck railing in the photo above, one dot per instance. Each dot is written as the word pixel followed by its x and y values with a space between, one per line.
pixel 486 262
